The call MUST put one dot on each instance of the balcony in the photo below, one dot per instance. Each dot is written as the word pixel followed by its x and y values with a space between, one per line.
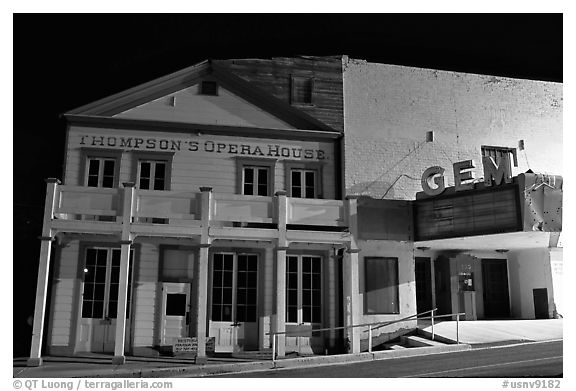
pixel 202 216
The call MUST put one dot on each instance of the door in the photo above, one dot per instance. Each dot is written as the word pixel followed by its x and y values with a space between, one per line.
pixel 442 285
pixel 541 303
pixel 101 276
pixel 495 284
pixel 423 285
pixel 234 309
pixel 175 312
pixel 304 302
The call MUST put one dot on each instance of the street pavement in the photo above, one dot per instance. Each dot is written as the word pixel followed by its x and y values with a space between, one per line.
pixel 539 359
pixel 478 333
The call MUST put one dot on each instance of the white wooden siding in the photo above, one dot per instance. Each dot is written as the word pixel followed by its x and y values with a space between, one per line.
pixel 65 290
pixel 191 107
pixel 145 295
pixel 193 169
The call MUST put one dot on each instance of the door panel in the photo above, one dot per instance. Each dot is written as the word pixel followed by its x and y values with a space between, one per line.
pixel 423 285
pixel 495 284
pixel 175 312
pixel 541 303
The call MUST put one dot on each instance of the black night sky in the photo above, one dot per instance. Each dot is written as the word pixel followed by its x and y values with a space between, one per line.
pixel 65 61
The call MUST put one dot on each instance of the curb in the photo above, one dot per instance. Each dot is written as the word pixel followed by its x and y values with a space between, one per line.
pixel 293 363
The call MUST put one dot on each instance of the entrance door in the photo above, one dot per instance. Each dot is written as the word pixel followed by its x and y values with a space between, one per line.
pixel 423 285
pixel 495 284
pixel 234 318
pixel 101 276
pixel 304 302
pixel 442 285
pixel 541 303
pixel 175 312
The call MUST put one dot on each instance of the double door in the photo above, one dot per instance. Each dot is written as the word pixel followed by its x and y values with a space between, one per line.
pixel 100 285
pixel 234 302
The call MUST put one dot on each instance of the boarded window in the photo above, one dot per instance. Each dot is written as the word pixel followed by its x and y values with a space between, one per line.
pixel 209 88
pixel 381 282
pixel 302 88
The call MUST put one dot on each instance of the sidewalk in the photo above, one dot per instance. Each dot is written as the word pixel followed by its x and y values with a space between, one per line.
pixel 471 334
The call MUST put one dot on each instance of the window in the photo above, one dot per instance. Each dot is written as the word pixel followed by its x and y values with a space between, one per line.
pixel 303 183
pixel 255 181
pixel 101 167
pixel 208 87
pixel 101 172
pixel 381 285
pixel 255 176
pixel 496 153
pixel 152 174
pixel 303 289
pixel 101 283
pixel 302 90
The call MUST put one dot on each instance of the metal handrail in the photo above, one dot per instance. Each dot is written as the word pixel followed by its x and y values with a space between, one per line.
pixel 370 328
pixel 381 324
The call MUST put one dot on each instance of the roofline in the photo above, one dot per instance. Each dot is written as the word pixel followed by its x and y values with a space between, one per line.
pixel 131 95
pixel 181 127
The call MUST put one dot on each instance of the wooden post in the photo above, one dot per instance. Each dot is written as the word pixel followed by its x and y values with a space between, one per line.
pixel 43 270
pixel 280 323
pixel 125 245
pixel 201 275
pixel 350 277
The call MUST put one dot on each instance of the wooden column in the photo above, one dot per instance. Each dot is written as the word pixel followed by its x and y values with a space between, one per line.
pixel 125 245
pixel 43 270
pixel 201 275
pixel 351 278
pixel 280 319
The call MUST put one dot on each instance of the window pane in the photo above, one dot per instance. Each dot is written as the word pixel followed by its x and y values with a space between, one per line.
pixel 309 178
pixel 381 275
pixel 108 181
pixel 144 183
pixel 262 190
pixel 113 309
pixel 216 312
pixel 93 167
pixel 310 193
pixel 159 184
pixel 160 172
pixel 248 175
pixel 109 168
pixel 176 304
pixel 250 313
pixel 296 180
pixel 248 189
pixel 144 169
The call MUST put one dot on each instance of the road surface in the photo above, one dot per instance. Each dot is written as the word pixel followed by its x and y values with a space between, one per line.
pixel 534 360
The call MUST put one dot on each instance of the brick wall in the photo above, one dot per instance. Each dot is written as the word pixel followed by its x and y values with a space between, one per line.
pixel 388 109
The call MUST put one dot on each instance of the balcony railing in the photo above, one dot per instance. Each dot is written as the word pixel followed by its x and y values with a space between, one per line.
pixel 75 207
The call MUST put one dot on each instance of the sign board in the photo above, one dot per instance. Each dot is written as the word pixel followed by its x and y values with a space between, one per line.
pixel 190 345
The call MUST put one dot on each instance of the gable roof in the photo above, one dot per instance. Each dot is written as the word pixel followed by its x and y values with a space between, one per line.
pixel 141 94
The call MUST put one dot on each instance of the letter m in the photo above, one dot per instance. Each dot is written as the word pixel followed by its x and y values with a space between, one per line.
pixel 126 142
pixel 497 172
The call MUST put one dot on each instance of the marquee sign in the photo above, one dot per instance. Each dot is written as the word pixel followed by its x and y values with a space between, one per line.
pixel 494 173
pixel 209 146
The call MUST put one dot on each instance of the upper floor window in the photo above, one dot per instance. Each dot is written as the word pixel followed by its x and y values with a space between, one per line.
pixel 100 167
pixel 255 176
pixel 101 172
pixel 152 175
pixel 302 89
pixel 256 181
pixel 303 183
